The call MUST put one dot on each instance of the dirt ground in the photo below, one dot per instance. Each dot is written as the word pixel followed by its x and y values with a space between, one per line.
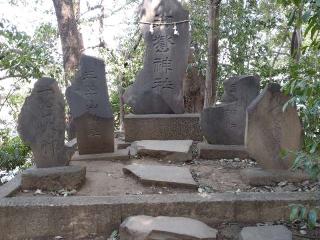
pixel 106 178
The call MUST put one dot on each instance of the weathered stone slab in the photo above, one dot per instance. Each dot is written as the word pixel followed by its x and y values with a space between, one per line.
pixel 121 154
pixel 270 130
pixel 162 175
pixel 163 228
pixel 224 124
pixel 90 107
pixel 260 177
pixel 53 179
pixel 158 86
pixel 41 124
pixel 276 232
pixel 162 127
pixel 169 150
pixel 209 151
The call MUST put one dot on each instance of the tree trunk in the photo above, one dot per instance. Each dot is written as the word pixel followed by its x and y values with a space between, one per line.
pixel 71 39
pixel 212 65
pixel 67 13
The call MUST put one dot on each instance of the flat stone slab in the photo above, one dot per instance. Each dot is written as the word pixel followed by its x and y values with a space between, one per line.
pixel 162 127
pixel 162 228
pixel 53 179
pixel 122 154
pixel 121 144
pixel 209 151
pixel 162 175
pixel 260 177
pixel 170 150
pixel 277 232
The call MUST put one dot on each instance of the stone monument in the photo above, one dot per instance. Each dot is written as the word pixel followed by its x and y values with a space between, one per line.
pixel 224 124
pixel 90 107
pixel 41 124
pixel 271 129
pixel 158 86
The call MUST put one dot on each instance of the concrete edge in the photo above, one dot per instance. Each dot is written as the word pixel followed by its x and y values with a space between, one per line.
pixel 11 187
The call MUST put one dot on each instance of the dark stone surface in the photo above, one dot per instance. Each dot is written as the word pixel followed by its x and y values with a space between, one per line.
pixel 53 179
pixel 270 130
pixel 209 151
pixel 158 86
pixel 162 127
pixel 41 124
pixel 90 107
pixel 225 123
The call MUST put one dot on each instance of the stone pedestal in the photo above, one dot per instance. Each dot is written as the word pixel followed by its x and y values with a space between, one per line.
pixel 260 177
pixel 54 178
pixel 162 127
pixel 209 151
pixel 121 154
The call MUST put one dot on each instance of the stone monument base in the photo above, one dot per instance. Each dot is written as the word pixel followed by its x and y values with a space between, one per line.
pixel 262 177
pixel 121 154
pixel 208 151
pixel 162 127
pixel 54 178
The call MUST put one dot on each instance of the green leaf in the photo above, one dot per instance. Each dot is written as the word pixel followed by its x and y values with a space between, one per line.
pixel 318 3
pixel 312 218
pixel 294 213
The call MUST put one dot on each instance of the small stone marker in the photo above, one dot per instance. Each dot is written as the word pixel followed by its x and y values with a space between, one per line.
pixel 41 124
pixel 170 150
pixel 158 86
pixel 90 107
pixel 162 175
pixel 158 228
pixel 277 232
pixel 270 129
pixel 225 123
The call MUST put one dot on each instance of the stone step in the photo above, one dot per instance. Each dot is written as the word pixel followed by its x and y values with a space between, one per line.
pixel 169 150
pixel 162 175
pixel 276 232
pixel 161 228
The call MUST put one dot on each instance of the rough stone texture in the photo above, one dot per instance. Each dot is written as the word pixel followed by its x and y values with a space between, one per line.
pixel 193 87
pixel 122 154
pixel 169 150
pixel 224 124
pixel 90 107
pixel 277 232
pixel 162 127
pixel 163 228
pixel 270 129
pixel 53 179
pixel 10 188
pixel 41 124
pixel 260 177
pixel 209 151
pixel 162 175
pixel 158 86
pixel 77 217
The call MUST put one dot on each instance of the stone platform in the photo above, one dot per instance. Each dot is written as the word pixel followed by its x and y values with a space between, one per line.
pixel 53 179
pixel 209 151
pixel 162 127
pixel 121 154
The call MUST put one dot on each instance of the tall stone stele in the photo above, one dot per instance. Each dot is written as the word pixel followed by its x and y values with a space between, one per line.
pixel 41 124
pixel 273 130
pixel 158 86
pixel 90 107
pixel 224 124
